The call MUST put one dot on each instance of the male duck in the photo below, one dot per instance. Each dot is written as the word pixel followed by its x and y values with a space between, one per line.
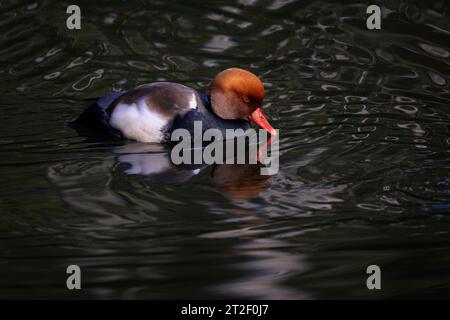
pixel 150 112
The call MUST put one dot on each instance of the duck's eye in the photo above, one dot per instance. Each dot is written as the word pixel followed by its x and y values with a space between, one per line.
pixel 245 99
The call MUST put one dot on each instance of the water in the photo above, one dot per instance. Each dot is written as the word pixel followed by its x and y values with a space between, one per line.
pixel 364 179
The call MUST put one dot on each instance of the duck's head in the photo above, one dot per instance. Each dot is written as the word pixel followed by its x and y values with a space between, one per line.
pixel 238 94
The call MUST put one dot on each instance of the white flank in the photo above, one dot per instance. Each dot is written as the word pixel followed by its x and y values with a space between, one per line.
pixel 137 122
pixel 193 101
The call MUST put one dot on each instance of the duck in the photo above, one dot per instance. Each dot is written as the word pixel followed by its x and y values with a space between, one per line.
pixel 151 112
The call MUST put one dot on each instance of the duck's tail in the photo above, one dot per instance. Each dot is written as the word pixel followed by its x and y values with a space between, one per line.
pixel 95 118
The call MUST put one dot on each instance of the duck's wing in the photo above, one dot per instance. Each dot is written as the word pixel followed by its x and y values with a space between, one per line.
pixel 107 100
pixel 145 112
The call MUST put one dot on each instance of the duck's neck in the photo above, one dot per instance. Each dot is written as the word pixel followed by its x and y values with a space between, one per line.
pixel 208 119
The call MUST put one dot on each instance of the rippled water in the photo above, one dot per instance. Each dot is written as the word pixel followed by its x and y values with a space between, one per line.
pixel 364 168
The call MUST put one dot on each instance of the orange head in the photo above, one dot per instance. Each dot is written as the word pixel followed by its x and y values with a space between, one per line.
pixel 238 94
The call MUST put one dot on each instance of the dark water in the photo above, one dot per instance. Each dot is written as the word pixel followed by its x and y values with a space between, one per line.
pixel 364 167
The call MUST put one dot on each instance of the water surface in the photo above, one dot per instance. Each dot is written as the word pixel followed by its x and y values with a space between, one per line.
pixel 364 167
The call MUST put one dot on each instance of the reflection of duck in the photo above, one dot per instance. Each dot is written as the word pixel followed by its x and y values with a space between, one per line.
pixel 237 181
pixel 150 112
